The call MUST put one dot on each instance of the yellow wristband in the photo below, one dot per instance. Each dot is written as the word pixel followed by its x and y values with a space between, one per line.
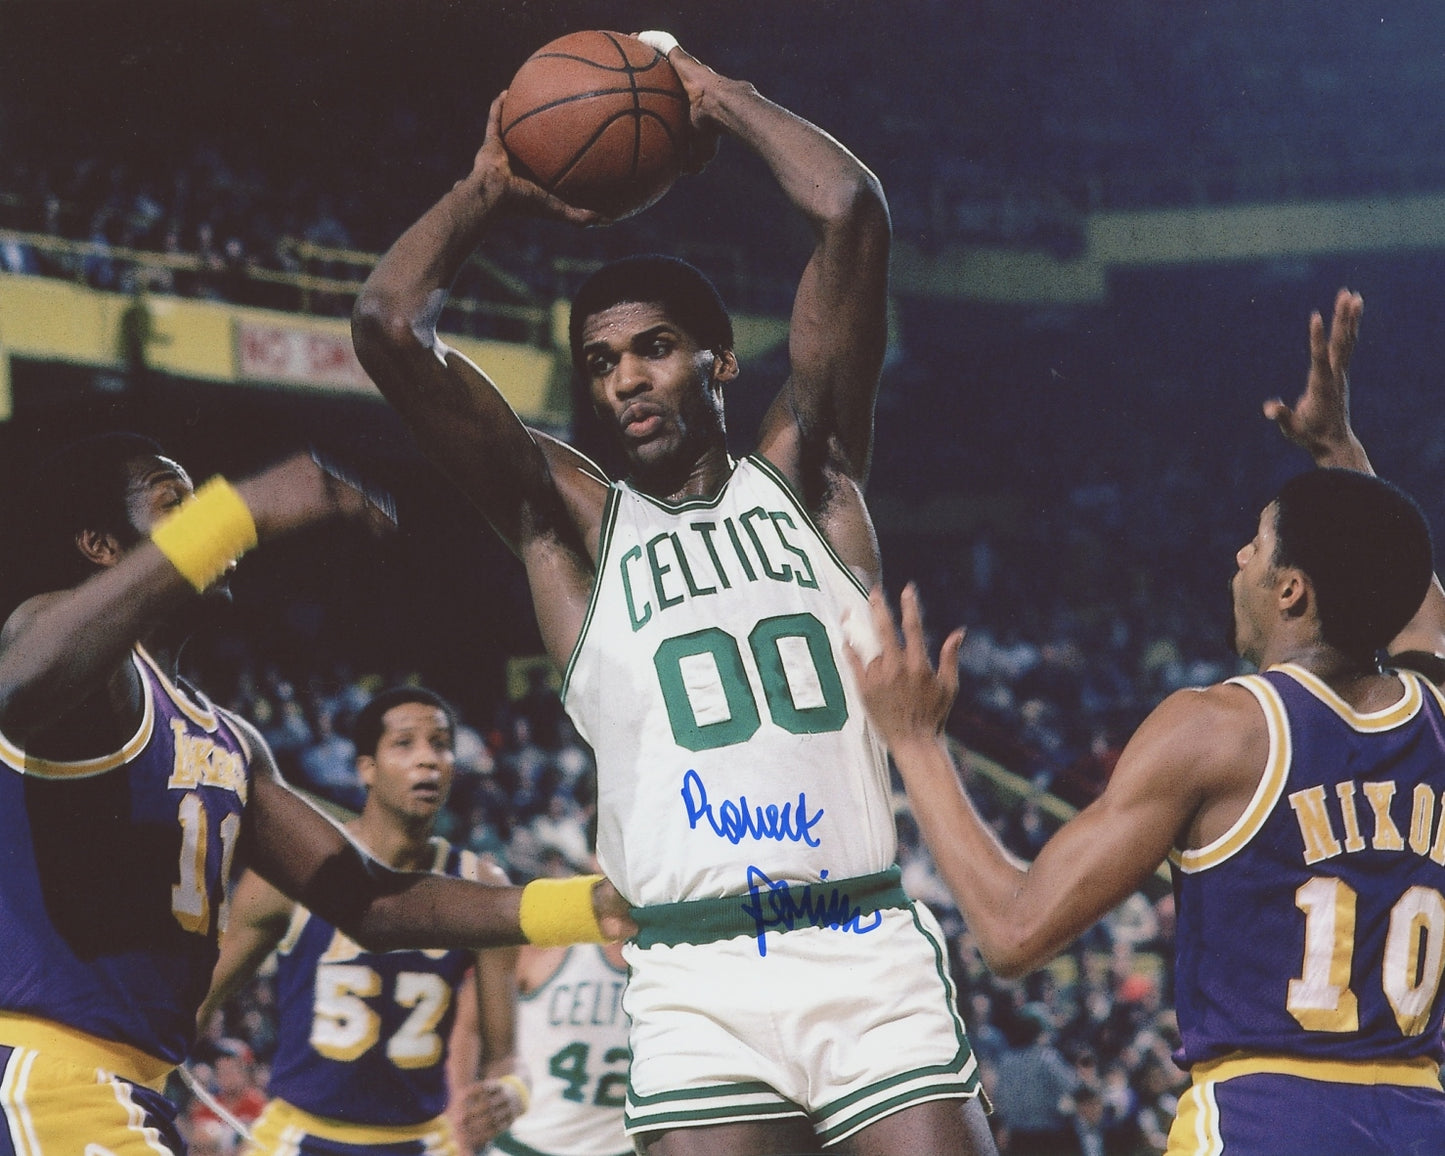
pixel 558 912
pixel 207 534
pixel 518 1085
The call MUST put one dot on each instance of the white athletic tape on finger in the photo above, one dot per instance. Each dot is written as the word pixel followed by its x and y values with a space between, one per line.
pixel 664 42
pixel 859 633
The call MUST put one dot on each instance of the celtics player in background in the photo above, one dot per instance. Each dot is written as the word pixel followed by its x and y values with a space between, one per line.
pixel 572 1043
pixel 784 994
pixel 1302 810
pixel 361 1061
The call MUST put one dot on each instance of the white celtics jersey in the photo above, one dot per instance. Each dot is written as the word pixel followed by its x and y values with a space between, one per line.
pixel 572 1037
pixel 732 747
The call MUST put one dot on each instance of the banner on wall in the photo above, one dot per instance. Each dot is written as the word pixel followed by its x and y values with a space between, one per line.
pixel 289 355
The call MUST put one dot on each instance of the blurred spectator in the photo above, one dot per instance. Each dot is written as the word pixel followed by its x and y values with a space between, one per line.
pixel 233 1084
pixel 1033 1081
pixel 210 1137
pixel 563 827
pixel 327 766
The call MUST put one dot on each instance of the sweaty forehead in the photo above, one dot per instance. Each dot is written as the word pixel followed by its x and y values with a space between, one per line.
pixel 617 323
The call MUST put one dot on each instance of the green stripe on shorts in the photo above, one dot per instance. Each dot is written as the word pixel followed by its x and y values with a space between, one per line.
pixel 699 1106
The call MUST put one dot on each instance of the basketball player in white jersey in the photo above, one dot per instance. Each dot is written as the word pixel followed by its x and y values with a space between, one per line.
pixel 785 996
pixel 572 1042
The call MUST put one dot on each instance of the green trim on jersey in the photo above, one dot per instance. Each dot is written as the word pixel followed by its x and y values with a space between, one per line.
pixel 797 499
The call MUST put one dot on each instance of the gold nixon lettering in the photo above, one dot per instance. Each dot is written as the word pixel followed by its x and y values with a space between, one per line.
pixel 1314 824
pixel 1320 836
pixel 1387 835
pixel 1422 819
pixel 1354 841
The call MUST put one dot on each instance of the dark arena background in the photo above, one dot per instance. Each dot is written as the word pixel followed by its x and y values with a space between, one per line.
pixel 1112 220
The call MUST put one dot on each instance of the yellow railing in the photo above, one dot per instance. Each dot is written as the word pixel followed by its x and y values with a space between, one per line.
pixel 326 281
pixel 1011 789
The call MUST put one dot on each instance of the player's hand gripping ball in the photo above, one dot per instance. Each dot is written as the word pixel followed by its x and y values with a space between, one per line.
pixel 599 119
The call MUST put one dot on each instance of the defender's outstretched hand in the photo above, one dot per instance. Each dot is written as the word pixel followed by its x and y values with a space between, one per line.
pixel 308 488
pixel 907 697
pixel 1319 421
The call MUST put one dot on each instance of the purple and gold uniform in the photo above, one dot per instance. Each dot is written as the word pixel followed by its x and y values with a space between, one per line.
pixel 361 1046
pixel 113 876
pixel 1311 935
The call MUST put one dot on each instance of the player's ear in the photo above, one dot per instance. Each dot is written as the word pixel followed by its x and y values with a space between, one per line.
pixel 1296 594
pixel 724 365
pixel 100 548
pixel 366 770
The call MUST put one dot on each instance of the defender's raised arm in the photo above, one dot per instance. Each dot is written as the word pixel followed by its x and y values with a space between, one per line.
pixel 1319 423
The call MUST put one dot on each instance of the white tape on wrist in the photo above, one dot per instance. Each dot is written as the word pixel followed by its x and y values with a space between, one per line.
pixel 664 42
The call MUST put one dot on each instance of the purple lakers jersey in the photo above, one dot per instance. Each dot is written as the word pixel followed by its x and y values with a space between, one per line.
pixel 362 1035
pixel 1315 926
pixel 113 873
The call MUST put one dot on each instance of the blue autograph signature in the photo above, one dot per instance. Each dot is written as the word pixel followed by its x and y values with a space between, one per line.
pixel 794 905
pixel 737 821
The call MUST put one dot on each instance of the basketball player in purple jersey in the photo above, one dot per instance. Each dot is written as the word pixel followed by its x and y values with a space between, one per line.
pixel 1302 810
pixel 696 607
pixel 364 1039
pixel 126 797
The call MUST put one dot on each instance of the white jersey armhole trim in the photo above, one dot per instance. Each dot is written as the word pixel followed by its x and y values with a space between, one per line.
pixel 1266 794
pixel 1434 690
pixel 299 916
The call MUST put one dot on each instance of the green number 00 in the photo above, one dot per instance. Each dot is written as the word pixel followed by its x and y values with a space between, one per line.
pixel 723 683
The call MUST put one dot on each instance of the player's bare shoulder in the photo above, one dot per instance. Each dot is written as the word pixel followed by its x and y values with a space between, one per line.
pixel 1216 741
pixel 1223 723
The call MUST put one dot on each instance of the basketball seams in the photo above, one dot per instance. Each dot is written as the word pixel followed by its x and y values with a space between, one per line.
pixel 625 67
pixel 638 109
pixel 637 116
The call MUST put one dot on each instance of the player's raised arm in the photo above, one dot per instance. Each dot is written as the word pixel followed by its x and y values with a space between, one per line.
pixel 1023 914
pixel 839 321
pixel 459 418
pixel 1319 423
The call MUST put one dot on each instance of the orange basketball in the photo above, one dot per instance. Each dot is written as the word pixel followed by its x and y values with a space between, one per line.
pixel 598 118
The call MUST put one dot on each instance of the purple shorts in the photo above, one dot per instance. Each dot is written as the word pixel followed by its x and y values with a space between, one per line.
pixel 1269 1114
